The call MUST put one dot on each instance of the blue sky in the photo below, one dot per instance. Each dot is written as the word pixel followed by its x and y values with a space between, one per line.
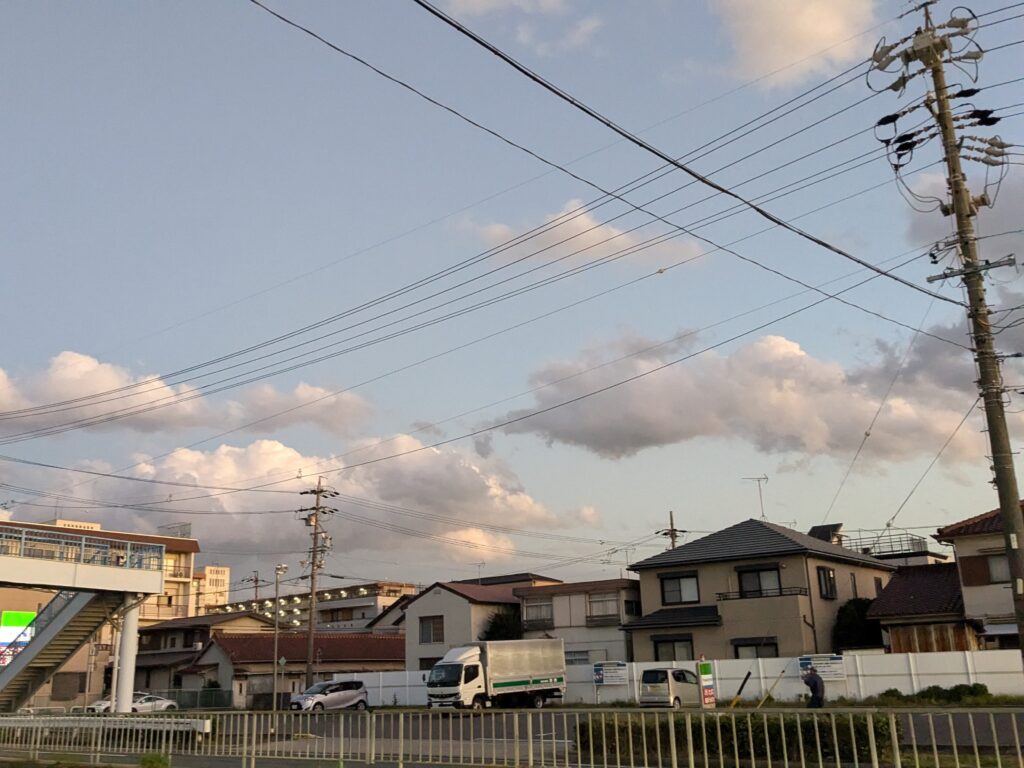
pixel 183 181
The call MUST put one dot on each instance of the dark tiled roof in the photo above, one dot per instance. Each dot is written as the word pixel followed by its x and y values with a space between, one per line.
pixel 329 646
pixel 920 590
pixel 694 616
pixel 825 532
pixel 509 578
pixel 753 539
pixel 158 659
pixel 170 543
pixel 577 588
pixel 209 620
pixel 990 522
pixel 475 593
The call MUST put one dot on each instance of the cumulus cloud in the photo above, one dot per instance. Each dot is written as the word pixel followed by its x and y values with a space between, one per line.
pixel 770 393
pixel 72 375
pixel 584 232
pixel 767 36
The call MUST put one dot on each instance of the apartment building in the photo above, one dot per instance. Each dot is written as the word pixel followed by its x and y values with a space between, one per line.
pixel 754 589
pixel 586 615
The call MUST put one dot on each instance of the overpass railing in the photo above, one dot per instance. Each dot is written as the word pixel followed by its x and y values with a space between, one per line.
pixel 79 548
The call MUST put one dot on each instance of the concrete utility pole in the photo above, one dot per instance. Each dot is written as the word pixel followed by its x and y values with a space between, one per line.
pixel 671 532
pixel 279 570
pixel 931 46
pixel 320 542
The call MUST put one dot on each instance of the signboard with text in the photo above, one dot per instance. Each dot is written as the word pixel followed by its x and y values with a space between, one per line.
pixel 706 676
pixel 611 673
pixel 15 632
pixel 829 666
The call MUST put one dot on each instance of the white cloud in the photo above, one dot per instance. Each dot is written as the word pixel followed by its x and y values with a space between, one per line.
pixel 767 35
pixel 72 375
pixel 585 233
pixel 770 393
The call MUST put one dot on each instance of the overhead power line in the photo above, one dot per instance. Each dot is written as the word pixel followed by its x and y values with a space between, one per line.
pixel 639 142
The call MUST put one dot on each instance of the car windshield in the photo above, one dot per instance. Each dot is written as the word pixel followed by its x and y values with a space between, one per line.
pixel 318 688
pixel 654 676
pixel 445 674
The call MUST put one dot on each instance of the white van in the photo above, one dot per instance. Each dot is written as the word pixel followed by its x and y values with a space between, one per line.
pixel 669 688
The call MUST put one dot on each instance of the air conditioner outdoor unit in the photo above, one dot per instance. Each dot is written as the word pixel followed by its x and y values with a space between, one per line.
pixel 197 646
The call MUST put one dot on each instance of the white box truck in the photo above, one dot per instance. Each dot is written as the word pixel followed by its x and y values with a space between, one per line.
pixel 501 673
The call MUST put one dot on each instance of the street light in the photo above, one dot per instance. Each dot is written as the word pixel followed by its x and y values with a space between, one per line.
pixel 279 570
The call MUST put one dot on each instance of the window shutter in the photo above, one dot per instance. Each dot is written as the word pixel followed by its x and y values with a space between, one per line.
pixel 974 571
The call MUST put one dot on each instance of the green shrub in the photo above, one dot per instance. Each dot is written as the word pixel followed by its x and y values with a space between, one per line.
pixel 154 760
pixel 757 735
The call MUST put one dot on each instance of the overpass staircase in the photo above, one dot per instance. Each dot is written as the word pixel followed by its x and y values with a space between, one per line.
pixel 94 576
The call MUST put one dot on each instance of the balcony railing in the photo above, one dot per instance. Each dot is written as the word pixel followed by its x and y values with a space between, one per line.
pixel 529 624
pixel 754 593
pixel 150 611
pixel 177 572
pixel 603 620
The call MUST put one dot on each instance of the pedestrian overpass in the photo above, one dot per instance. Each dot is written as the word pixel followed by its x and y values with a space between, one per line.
pixel 96 579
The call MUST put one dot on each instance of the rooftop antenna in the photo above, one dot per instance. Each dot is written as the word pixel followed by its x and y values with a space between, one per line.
pixel 763 479
pixel 479 571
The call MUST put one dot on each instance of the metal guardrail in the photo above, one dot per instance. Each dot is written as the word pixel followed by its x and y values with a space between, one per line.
pixel 79 548
pixel 555 738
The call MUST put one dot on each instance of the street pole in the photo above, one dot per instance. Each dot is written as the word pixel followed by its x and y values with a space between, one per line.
pixel 320 542
pixel 279 570
pixel 928 48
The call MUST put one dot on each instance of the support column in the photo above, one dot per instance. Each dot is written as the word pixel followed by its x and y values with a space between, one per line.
pixel 128 649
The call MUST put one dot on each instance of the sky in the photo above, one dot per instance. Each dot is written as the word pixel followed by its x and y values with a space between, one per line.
pixel 294 267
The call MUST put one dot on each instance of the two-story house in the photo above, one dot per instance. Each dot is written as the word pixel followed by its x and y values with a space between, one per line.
pixel 754 589
pixel 586 615
pixel 984 571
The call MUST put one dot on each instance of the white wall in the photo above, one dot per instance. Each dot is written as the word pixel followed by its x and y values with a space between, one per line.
pixel 458 625
pixel 867 675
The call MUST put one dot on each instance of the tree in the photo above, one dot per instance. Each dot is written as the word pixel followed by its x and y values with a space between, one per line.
pixel 853 629
pixel 505 624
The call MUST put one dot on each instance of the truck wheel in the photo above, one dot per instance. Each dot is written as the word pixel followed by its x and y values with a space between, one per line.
pixel 478 703
pixel 537 702
pixel 677 704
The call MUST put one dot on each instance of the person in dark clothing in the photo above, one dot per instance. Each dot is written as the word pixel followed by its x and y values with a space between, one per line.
pixel 817 687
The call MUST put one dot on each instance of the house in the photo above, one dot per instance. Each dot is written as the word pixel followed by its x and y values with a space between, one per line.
pixel 984 571
pixel 895 547
pixel 585 615
pixel 448 614
pixel 755 589
pixel 244 662
pixel 349 608
pixel 167 648
pixel 392 619
pixel 922 609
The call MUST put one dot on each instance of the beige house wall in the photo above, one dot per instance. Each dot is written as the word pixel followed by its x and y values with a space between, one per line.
pixel 802 623
pixel 989 600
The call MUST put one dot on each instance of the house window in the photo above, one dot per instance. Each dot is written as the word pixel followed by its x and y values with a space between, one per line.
pixel 673 650
pixel 760 582
pixel 431 629
pixel 757 650
pixel 679 588
pixel 603 604
pixel 537 609
pixel 853 584
pixel 632 607
pixel 577 658
pixel 998 569
pixel 878 586
pixel 827 582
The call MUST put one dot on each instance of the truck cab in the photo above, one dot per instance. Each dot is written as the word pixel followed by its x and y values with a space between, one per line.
pixel 457 680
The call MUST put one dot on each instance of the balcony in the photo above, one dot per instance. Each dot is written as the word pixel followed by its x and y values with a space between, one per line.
pixel 151 611
pixel 177 572
pixel 752 594
pixel 534 624
pixel 603 620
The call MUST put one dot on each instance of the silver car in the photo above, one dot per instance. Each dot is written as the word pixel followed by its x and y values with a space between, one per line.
pixel 669 688
pixel 350 694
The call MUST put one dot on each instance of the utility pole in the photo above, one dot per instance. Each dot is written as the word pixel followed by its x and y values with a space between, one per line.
pixel 763 479
pixel 932 47
pixel 320 542
pixel 255 581
pixel 672 532
pixel 279 570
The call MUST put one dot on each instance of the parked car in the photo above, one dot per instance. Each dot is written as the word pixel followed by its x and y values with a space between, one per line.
pixel 103 705
pixel 350 694
pixel 152 703
pixel 669 688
